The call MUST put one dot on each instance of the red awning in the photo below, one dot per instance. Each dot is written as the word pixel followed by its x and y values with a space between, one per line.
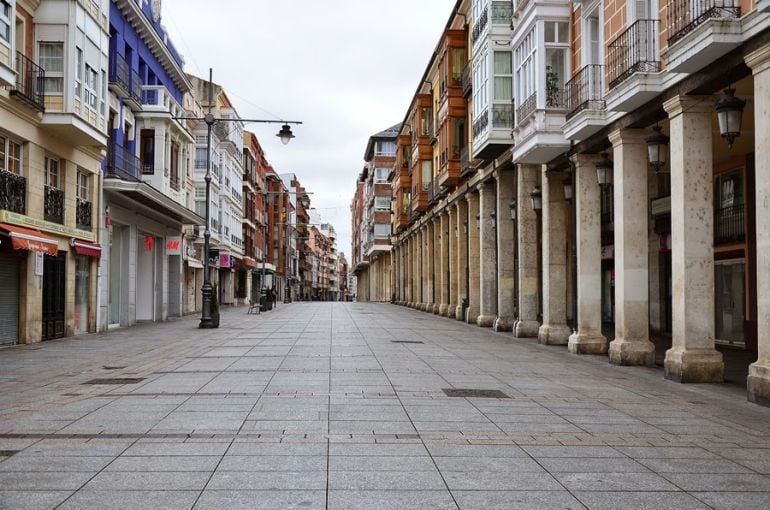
pixel 86 248
pixel 28 239
pixel 249 262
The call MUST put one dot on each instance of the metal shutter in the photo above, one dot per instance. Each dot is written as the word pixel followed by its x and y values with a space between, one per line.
pixel 9 300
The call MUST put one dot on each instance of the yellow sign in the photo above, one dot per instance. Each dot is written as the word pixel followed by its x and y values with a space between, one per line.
pixel 45 226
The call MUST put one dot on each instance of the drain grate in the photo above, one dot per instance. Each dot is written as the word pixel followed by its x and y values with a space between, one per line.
pixel 8 453
pixel 407 342
pixel 116 380
pixel 110 367
pixel 474 393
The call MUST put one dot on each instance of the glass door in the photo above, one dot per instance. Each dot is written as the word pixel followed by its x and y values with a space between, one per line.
pixel 730 310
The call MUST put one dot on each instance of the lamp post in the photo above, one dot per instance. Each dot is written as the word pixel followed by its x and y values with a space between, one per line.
pixel 730 114
pixel 284 134
pixel 657 147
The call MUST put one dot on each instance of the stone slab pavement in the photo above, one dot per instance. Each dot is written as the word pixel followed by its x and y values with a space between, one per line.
pixel 342 405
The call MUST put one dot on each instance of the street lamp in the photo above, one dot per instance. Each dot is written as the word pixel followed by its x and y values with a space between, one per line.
pixel 512 206
pixel 569 190
pixel 730 114
pixel 657 148
pixel 536 198
pixel 604 170
pixel 285 134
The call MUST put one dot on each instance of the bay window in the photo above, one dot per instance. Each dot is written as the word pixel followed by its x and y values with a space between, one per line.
pixel 5 21
pixel 525 68
pixel 52 61
pixel 382 203
pixel 427 174
pixel 556 35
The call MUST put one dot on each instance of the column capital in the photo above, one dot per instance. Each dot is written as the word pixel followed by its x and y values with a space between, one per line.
pixel 627 136
pixel 584 159
pixel 678 105
pixel 758 60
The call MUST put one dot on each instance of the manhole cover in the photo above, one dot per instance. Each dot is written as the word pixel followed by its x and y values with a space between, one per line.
pixel 407 342
pixel 116 380
pixel 473 393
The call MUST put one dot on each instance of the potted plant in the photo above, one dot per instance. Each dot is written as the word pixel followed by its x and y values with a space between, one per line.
pixel 214 305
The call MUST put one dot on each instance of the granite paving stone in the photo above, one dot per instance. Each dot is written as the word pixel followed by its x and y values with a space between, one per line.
pixel 312 405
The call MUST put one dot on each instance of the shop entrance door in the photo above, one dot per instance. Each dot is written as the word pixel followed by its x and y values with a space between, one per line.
pixel 54 291
pixel 730 301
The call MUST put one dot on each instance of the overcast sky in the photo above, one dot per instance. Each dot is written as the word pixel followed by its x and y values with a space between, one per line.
pixel 346 68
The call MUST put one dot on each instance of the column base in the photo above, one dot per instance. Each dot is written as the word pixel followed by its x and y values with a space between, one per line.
pixel 526 329
pixel 485 321
pixel 459 313
pixel 451 310
pixel 503 324
pixel 436 309
pixel 587 343
pixel 553 334
pixel 694 365
pixel 632 352
pixel 471 316
pixel 442 309
pixel 758 384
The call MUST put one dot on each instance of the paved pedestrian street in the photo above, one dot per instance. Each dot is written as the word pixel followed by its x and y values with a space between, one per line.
pixel 343 405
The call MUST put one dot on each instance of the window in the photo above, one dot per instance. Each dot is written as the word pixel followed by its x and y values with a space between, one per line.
pixel 5 21
pixel 83 186
pixel 501 13
pixel 382 230
pixel 385 149
pixel 92 87
pixel 503 76
pixel 147 150
pixel 381 174
pixel 78 73
pixel 427 174
pixel 480 79
pixel 556 34
pixel 382 203
pixel 458 64
pixel 52 61
pixel 200 158
pixel 52 174
pixel 10 156
pixel 525 68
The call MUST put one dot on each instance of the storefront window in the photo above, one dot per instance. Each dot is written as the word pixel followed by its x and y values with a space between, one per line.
pixel 730 301
pixel 81 293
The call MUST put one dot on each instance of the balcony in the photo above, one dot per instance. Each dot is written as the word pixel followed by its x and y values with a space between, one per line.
pixel 526 108
pixel 83 214
pixel 502 116
pixel 481 124
pixel 585 91
pixel 729 225
pixel 156 98
pixel 480 25
pixel 53 205
pixel 465 164
pixel 634 51
pixel 684 16
pixel 124 80
pixel 122 164
pixel 30 78
pixel 13 192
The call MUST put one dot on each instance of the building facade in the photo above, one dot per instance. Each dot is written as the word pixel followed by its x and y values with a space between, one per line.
pixel 53 125
pixel 607 193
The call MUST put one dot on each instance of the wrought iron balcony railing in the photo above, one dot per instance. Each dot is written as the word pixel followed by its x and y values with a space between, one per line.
pixel 467 80
pixel 502 115
pixel 30 79
pixel 526 108
pixel 502 12
pixel 83 214
pixel 684 16
pixel 555 99
pixel 637 50
pixel 729 224
pixel 13 192
pixel 480 25
pixel 465 165
pixel 585 91
pixel 122 164
pixel 53 205
pixel 120 71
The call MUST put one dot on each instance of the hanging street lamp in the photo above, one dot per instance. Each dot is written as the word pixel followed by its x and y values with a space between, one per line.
pixel 657 148
pixel 730 114
pixel 569 190
pixel 512 206
pixel 536 197
pixel 604 170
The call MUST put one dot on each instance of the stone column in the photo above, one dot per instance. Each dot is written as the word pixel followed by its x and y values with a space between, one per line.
pixel 427 271
pixel 444 264
pixel 462 257
pixel 527 324
pixel 759 371
pixel 410 271
pixel 473 259
pixel 554 330
pixel 435 269
pixel 487 256
pixel 419 253
pixel 692 357
pixel 632 344
pixel 452 231
pixel 588 339
pixel 505 262
pixel 430 271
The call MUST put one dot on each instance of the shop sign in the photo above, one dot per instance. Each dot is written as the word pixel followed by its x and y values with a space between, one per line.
pixel 225 260
pixel 149 243
pixel 214 257
pixel 174 246
pixel 39 258
pixel 45 226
